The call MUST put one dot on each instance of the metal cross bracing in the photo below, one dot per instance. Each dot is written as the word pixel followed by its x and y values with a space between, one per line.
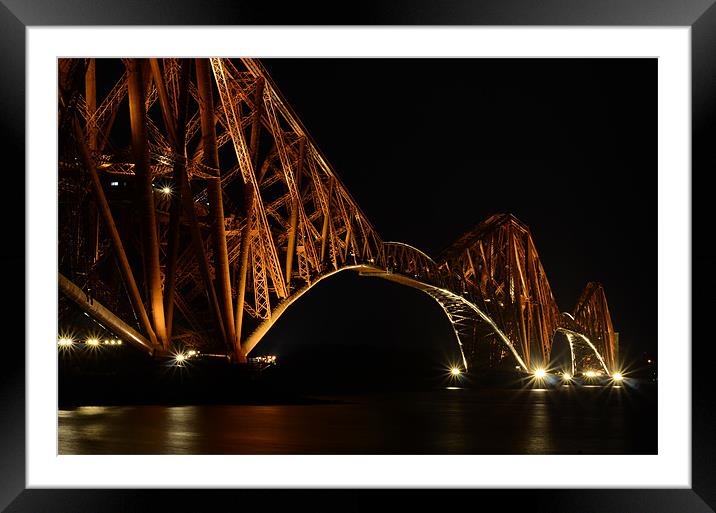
pixel 194 208
pixel 591 315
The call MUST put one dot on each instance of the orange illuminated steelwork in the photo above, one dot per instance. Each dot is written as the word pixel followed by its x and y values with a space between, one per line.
pixel 228 212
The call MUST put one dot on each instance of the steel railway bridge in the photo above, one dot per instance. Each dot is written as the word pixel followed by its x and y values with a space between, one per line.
pixel 194 209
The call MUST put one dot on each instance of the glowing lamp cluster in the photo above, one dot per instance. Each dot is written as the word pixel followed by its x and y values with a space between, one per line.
pixel 540 373
pixel 93 341
pixel 166 190
pixel 181 358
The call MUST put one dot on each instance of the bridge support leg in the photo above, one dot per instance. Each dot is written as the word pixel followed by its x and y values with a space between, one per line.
pixel 91 102
pixel 239 352
pixel 103 206
pixel 91 107
pixel 295 205
pixel 243 269
pixel 200 253
pixel 291 247
pixel 148 226
pixel 177 132
pixel 326 221
pixel 211 159
pixel 102 314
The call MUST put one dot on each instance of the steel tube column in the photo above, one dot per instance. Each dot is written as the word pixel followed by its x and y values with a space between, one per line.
pixel 184 199
pixel 91 101
pixel 243 268
pixel 211 159
pixel 348 237
pixel 91 107
pixel 106 213
pixel 103 315
pixel 201 257
pixel 239 352
pixel 177 135
pixel 170 120
pixel 326 221
pixel 148 227
pixel 291 249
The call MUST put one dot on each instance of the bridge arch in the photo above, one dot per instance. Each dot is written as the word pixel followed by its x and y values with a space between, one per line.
pixel 258 333
pixel 456 309
pixel 460 312
pixel 420 271
pixel 581 350
pixel 200 274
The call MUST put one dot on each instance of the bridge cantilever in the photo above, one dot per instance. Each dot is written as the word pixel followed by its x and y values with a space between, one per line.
pixel 257 217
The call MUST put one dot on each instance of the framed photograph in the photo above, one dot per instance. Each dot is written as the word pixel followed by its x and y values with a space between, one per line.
pixel 511 194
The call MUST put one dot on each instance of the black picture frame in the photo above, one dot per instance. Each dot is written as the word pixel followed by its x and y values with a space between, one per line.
pixel 17 15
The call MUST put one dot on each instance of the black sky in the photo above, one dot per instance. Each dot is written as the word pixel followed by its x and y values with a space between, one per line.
pixel 430 147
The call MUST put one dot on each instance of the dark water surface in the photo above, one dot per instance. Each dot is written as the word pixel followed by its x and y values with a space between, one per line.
pixel 587 420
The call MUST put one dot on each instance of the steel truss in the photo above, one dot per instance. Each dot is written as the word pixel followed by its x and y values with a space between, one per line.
pixel 212 209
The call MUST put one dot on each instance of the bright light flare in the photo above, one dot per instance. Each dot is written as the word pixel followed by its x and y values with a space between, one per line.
pixel 540 373
pixel 617 376
pixel 567 376
pixel 92 342
pixel 590 374
pixel 455 371
pixel 180 358
pixel 65 342
pixel 166 190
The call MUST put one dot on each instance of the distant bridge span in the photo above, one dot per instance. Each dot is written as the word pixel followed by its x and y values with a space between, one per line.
pixel 202 215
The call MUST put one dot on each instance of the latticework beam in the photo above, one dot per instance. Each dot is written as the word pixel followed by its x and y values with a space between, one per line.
pixel 239 213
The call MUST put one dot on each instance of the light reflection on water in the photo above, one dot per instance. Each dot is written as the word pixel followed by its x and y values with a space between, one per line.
pixel 182 436
pixel 538 427
pixel 447 421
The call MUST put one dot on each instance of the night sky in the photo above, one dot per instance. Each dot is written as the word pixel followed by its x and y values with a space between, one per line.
pixel 430 147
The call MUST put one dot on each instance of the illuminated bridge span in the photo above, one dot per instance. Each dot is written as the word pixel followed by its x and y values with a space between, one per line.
pixel 194 209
